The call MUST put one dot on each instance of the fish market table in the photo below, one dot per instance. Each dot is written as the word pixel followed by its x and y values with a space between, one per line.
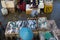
pixel 9 32
pixel 13 32
pixel 53 28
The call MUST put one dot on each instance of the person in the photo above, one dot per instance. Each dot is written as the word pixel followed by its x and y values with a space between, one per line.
pixel 2 36
pixel 21 5
pixel 41 7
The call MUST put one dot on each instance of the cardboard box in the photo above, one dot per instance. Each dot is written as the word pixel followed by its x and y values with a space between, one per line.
pixel 28 11
pixel 10 4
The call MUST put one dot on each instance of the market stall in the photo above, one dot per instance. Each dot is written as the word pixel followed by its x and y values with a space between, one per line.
pixel 33 18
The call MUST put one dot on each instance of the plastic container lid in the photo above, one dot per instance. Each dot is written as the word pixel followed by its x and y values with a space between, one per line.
pixel 47 35
pixel 26 34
